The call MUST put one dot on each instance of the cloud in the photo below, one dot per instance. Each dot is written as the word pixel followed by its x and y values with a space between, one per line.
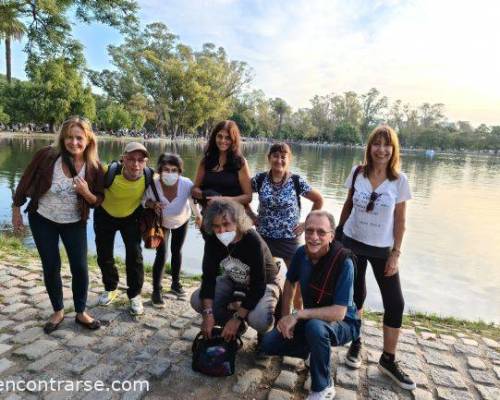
pixel 416 51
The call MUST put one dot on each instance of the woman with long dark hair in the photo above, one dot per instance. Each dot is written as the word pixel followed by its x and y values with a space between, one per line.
pixel 63 181
pixel 223 172
pixel 373 219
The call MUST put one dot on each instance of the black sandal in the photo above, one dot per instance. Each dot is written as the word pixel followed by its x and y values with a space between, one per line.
pixel 95 324
pixel 50 327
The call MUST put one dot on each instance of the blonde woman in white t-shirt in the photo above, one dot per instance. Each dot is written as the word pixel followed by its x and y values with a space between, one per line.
pixel 373 220
pixel 176 204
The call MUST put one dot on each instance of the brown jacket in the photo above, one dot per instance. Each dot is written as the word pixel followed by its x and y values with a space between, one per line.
pixel 37 180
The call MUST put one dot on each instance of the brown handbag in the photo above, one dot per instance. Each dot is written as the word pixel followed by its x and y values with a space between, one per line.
pixel 150 225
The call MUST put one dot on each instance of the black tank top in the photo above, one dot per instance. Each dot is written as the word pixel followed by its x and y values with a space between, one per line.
pixel 226 183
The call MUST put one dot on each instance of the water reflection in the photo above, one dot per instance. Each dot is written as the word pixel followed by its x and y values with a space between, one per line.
pixel 452 244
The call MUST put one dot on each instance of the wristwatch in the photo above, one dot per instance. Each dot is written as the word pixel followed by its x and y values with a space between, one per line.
pixel 294 313
pixel 207 311
pixel 238 317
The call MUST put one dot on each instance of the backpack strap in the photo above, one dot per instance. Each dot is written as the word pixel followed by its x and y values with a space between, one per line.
pixel 354 176
pixel 148 177
pixel 259 180
pixel 296 185
pixel 114 168
pixel 155 191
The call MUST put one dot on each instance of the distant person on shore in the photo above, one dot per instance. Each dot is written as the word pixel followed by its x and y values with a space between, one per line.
pixel 125 183
pixel 63 182
pixel 175 203
pixel 278 219
pixel 247 266
pixel 373 220
pixel 325 272
pixel 223 172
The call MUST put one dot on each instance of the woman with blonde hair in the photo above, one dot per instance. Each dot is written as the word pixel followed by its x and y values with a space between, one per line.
pixel 63 182
pixel 373 219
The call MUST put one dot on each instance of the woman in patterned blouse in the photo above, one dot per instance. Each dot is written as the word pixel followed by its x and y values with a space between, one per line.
pixel 278 218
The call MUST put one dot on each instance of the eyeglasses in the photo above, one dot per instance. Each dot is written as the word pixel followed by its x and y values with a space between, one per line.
pixel 320 232
pixel 132 160
pixel 371 204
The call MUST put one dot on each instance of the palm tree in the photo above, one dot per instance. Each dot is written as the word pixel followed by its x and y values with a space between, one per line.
pixel 10 28
pixel 281 108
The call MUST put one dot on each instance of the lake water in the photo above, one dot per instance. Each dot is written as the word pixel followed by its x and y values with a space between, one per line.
pixel 451 250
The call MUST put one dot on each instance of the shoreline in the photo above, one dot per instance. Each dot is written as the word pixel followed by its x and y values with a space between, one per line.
pixel 249 141
pixel 11 245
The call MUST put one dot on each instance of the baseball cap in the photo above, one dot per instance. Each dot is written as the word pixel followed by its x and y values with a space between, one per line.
pixel 135 146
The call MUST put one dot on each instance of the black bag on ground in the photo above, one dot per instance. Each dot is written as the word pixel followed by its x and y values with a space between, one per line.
pixel 215 356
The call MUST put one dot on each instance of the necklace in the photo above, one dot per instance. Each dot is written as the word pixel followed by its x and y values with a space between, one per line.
pixel 280 182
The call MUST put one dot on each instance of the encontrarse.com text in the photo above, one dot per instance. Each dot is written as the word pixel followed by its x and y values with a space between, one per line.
pixel 54 385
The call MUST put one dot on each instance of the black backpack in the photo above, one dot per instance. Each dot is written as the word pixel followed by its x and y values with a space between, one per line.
pixel 259 180
pixel 115 168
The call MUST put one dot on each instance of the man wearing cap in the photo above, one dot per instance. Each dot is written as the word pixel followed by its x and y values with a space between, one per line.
pixel 125 184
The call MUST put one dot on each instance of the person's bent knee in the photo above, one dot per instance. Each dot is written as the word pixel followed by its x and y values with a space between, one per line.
pixel 261 322
pixel 270 341
pixel 315 329
pixel 196 301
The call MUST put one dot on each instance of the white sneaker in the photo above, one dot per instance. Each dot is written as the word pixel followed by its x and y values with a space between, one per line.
pixel 107 297
pixel 136 307
pixel 326 394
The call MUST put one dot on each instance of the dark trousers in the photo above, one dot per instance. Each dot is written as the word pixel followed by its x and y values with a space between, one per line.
pixel 176 243
pixel 46 235
pixel 390 288
pixel 105 227
pixel 314 337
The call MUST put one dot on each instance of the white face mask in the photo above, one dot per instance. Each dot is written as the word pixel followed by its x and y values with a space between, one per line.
pixel 169 178
pixel 226 238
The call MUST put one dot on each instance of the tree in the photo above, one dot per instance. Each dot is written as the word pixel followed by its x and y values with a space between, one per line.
pixel 11 27
pixel 431 114
pixel 346 134
pixel 281 108
pixel 187 90
pixel 58 91
pixel 321 116
pixel 465 127
pixel 396 116
pixel 47 24
pixel 372 106
pixel 114 117
pixel 345 109
pixel 4 118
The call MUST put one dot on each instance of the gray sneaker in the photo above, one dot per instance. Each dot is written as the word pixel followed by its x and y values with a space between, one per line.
pixel 136 307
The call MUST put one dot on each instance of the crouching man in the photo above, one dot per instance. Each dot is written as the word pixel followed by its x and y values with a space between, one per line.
pixel 239 253
pixel 325 272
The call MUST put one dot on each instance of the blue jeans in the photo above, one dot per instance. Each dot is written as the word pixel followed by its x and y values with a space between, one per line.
pixel 46 235
pixel 314 337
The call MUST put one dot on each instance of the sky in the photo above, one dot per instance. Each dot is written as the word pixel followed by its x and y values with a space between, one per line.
pixel 418 51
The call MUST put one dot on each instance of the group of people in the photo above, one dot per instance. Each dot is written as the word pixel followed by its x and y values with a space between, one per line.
pixel 301 299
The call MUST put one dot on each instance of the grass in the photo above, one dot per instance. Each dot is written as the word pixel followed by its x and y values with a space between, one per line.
pixel 441 324
pixel 13 245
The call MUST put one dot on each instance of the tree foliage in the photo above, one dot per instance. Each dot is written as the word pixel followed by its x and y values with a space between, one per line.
pixel 187 91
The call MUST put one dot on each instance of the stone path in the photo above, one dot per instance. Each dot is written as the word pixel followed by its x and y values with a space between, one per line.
pixel 157 348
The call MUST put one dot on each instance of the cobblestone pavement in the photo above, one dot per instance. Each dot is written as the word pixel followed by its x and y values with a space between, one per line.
pixel 157 347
